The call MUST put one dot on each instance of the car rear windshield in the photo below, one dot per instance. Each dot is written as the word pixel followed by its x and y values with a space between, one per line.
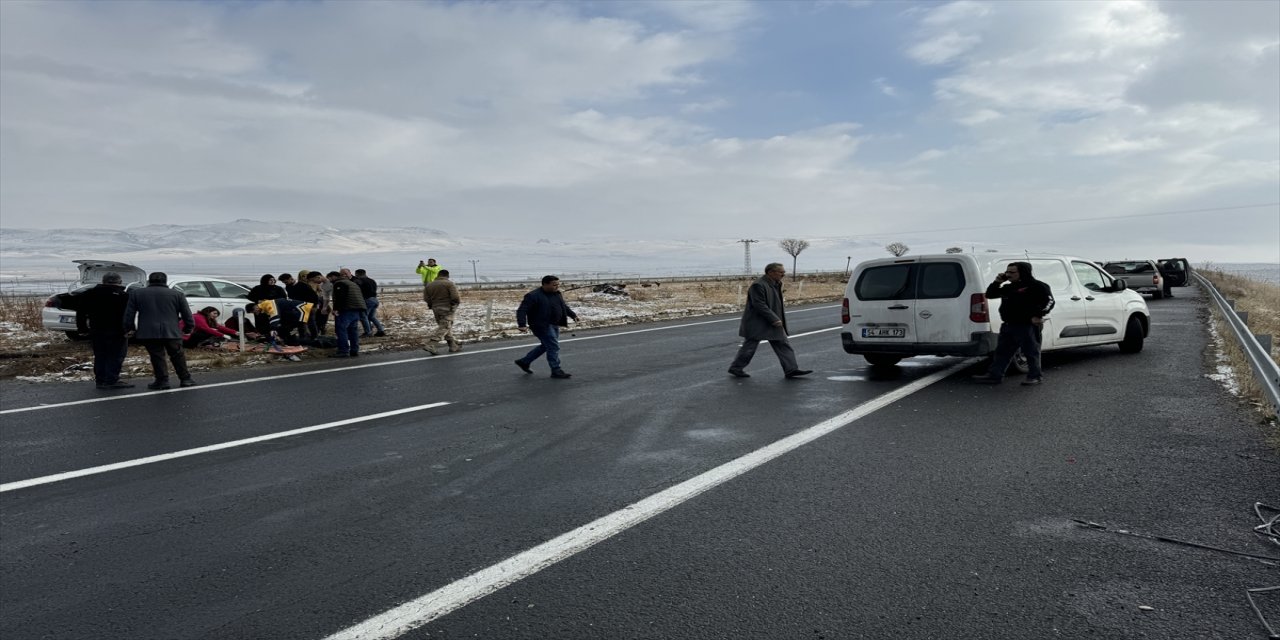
pixel 1119 268
pixel 911 281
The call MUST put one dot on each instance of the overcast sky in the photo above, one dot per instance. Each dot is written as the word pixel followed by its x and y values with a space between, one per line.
pixel 916 121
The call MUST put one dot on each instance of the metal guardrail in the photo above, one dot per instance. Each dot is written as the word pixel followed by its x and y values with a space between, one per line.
pixel 1265 369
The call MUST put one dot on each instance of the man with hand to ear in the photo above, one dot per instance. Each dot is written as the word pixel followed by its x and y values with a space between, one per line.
pixel 1025 303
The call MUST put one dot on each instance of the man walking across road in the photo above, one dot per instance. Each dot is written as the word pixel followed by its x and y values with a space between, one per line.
pixel 442 298
pixel 348 304
pixel 544 311
pixel 100 315
pixel 369 289
pixel 765 319
pixel 1025 302
pixel 151 316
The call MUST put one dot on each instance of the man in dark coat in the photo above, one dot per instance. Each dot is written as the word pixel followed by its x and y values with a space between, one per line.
pixel 765 319
pixel 100 315
pixel 348 303
pixel 1025 302
pixel 151 317
pixel 544 311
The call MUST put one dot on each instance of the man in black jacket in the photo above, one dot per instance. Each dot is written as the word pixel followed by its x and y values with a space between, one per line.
pixel 1025 303
pixel 100 315
pixel 544 311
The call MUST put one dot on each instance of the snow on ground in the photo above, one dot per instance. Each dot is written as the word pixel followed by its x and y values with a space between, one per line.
pixel 1223 373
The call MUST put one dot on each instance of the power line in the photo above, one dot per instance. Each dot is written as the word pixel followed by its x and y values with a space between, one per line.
pixel 1037 224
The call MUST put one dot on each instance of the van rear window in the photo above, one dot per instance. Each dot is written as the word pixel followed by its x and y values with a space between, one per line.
pixel 928 280
pixel 940 280
pixel 890 282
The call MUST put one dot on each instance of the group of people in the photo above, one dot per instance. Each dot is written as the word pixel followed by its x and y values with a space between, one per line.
pixel 160 319
pixel 305 304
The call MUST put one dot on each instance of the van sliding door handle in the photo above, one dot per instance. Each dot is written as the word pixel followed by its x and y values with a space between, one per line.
pixel 899 307
pixel 1088 297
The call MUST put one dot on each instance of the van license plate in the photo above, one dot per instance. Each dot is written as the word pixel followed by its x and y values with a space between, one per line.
pixel 884 332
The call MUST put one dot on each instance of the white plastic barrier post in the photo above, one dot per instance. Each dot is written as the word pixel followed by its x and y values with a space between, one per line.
pixel 238 314
pixel 488 315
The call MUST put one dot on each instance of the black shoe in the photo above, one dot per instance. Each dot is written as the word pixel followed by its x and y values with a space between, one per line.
pixel 355 355
pixel 523 367
pixel 187 383
pixel 799 372
pixel 739 373
pixel 339 355
pixel 986 379
pixel 102 385
pixel 159 386
pixel 366 335
pixel 380 334
pixel 120 385
pixel 558 373
pixel 1029 382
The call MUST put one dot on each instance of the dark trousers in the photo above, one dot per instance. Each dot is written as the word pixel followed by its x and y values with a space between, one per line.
pixel 157 348
pixel 781 348
pixel 1014 336
pixel 109 350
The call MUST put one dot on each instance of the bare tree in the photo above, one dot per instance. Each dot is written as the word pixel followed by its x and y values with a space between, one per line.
pixel 955 250
pixel 897 248
pixel 793 247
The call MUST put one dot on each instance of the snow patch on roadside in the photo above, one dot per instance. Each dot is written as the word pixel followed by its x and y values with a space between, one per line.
pixel 1223 373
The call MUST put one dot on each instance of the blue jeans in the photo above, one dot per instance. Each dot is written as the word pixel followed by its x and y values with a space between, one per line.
pixel 1013 337
pixel 347 328
pixel 549 338
pixel 369 318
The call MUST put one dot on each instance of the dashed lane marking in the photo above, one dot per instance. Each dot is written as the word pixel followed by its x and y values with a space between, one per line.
pixel 58 477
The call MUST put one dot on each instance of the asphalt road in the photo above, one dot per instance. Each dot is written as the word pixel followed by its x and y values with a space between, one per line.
pixel 948 513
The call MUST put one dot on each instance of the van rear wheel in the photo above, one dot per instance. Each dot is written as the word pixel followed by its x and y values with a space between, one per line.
pixel 881 359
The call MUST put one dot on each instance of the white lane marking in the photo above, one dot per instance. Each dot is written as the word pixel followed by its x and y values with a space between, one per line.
pixel 420 611
pixel 318 372
pixel 23 484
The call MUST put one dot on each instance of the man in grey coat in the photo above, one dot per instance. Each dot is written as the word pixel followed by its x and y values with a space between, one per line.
pixel 151 318
pixel 765 319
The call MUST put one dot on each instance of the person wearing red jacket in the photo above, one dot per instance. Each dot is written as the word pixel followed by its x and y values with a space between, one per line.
pixel 207 327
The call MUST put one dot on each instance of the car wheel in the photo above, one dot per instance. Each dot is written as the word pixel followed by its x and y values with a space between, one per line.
pixel 1018 365
pixel 1133 337
pixel 881 359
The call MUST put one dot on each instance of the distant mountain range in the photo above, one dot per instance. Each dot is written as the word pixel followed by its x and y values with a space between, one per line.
pixel 243 237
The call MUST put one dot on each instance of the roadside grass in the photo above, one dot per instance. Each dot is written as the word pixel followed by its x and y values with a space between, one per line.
pixel 1262 301
pixel 30 352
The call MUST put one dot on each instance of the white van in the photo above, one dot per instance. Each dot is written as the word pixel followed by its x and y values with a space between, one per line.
pixel 896 308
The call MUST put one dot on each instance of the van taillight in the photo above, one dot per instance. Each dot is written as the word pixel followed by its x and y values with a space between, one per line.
pixel 978 308
pixel 844 312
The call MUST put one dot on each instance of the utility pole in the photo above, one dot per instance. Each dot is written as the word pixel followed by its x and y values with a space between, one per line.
pixel 847 261
pixel 474 277
pixel 746 262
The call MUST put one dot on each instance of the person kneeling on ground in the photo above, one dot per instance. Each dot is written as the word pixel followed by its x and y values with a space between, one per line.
pixel 208 330
pixel 283 316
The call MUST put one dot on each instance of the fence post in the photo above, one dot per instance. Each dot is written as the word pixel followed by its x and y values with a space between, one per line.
pixel 238 314
pixel 488 315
